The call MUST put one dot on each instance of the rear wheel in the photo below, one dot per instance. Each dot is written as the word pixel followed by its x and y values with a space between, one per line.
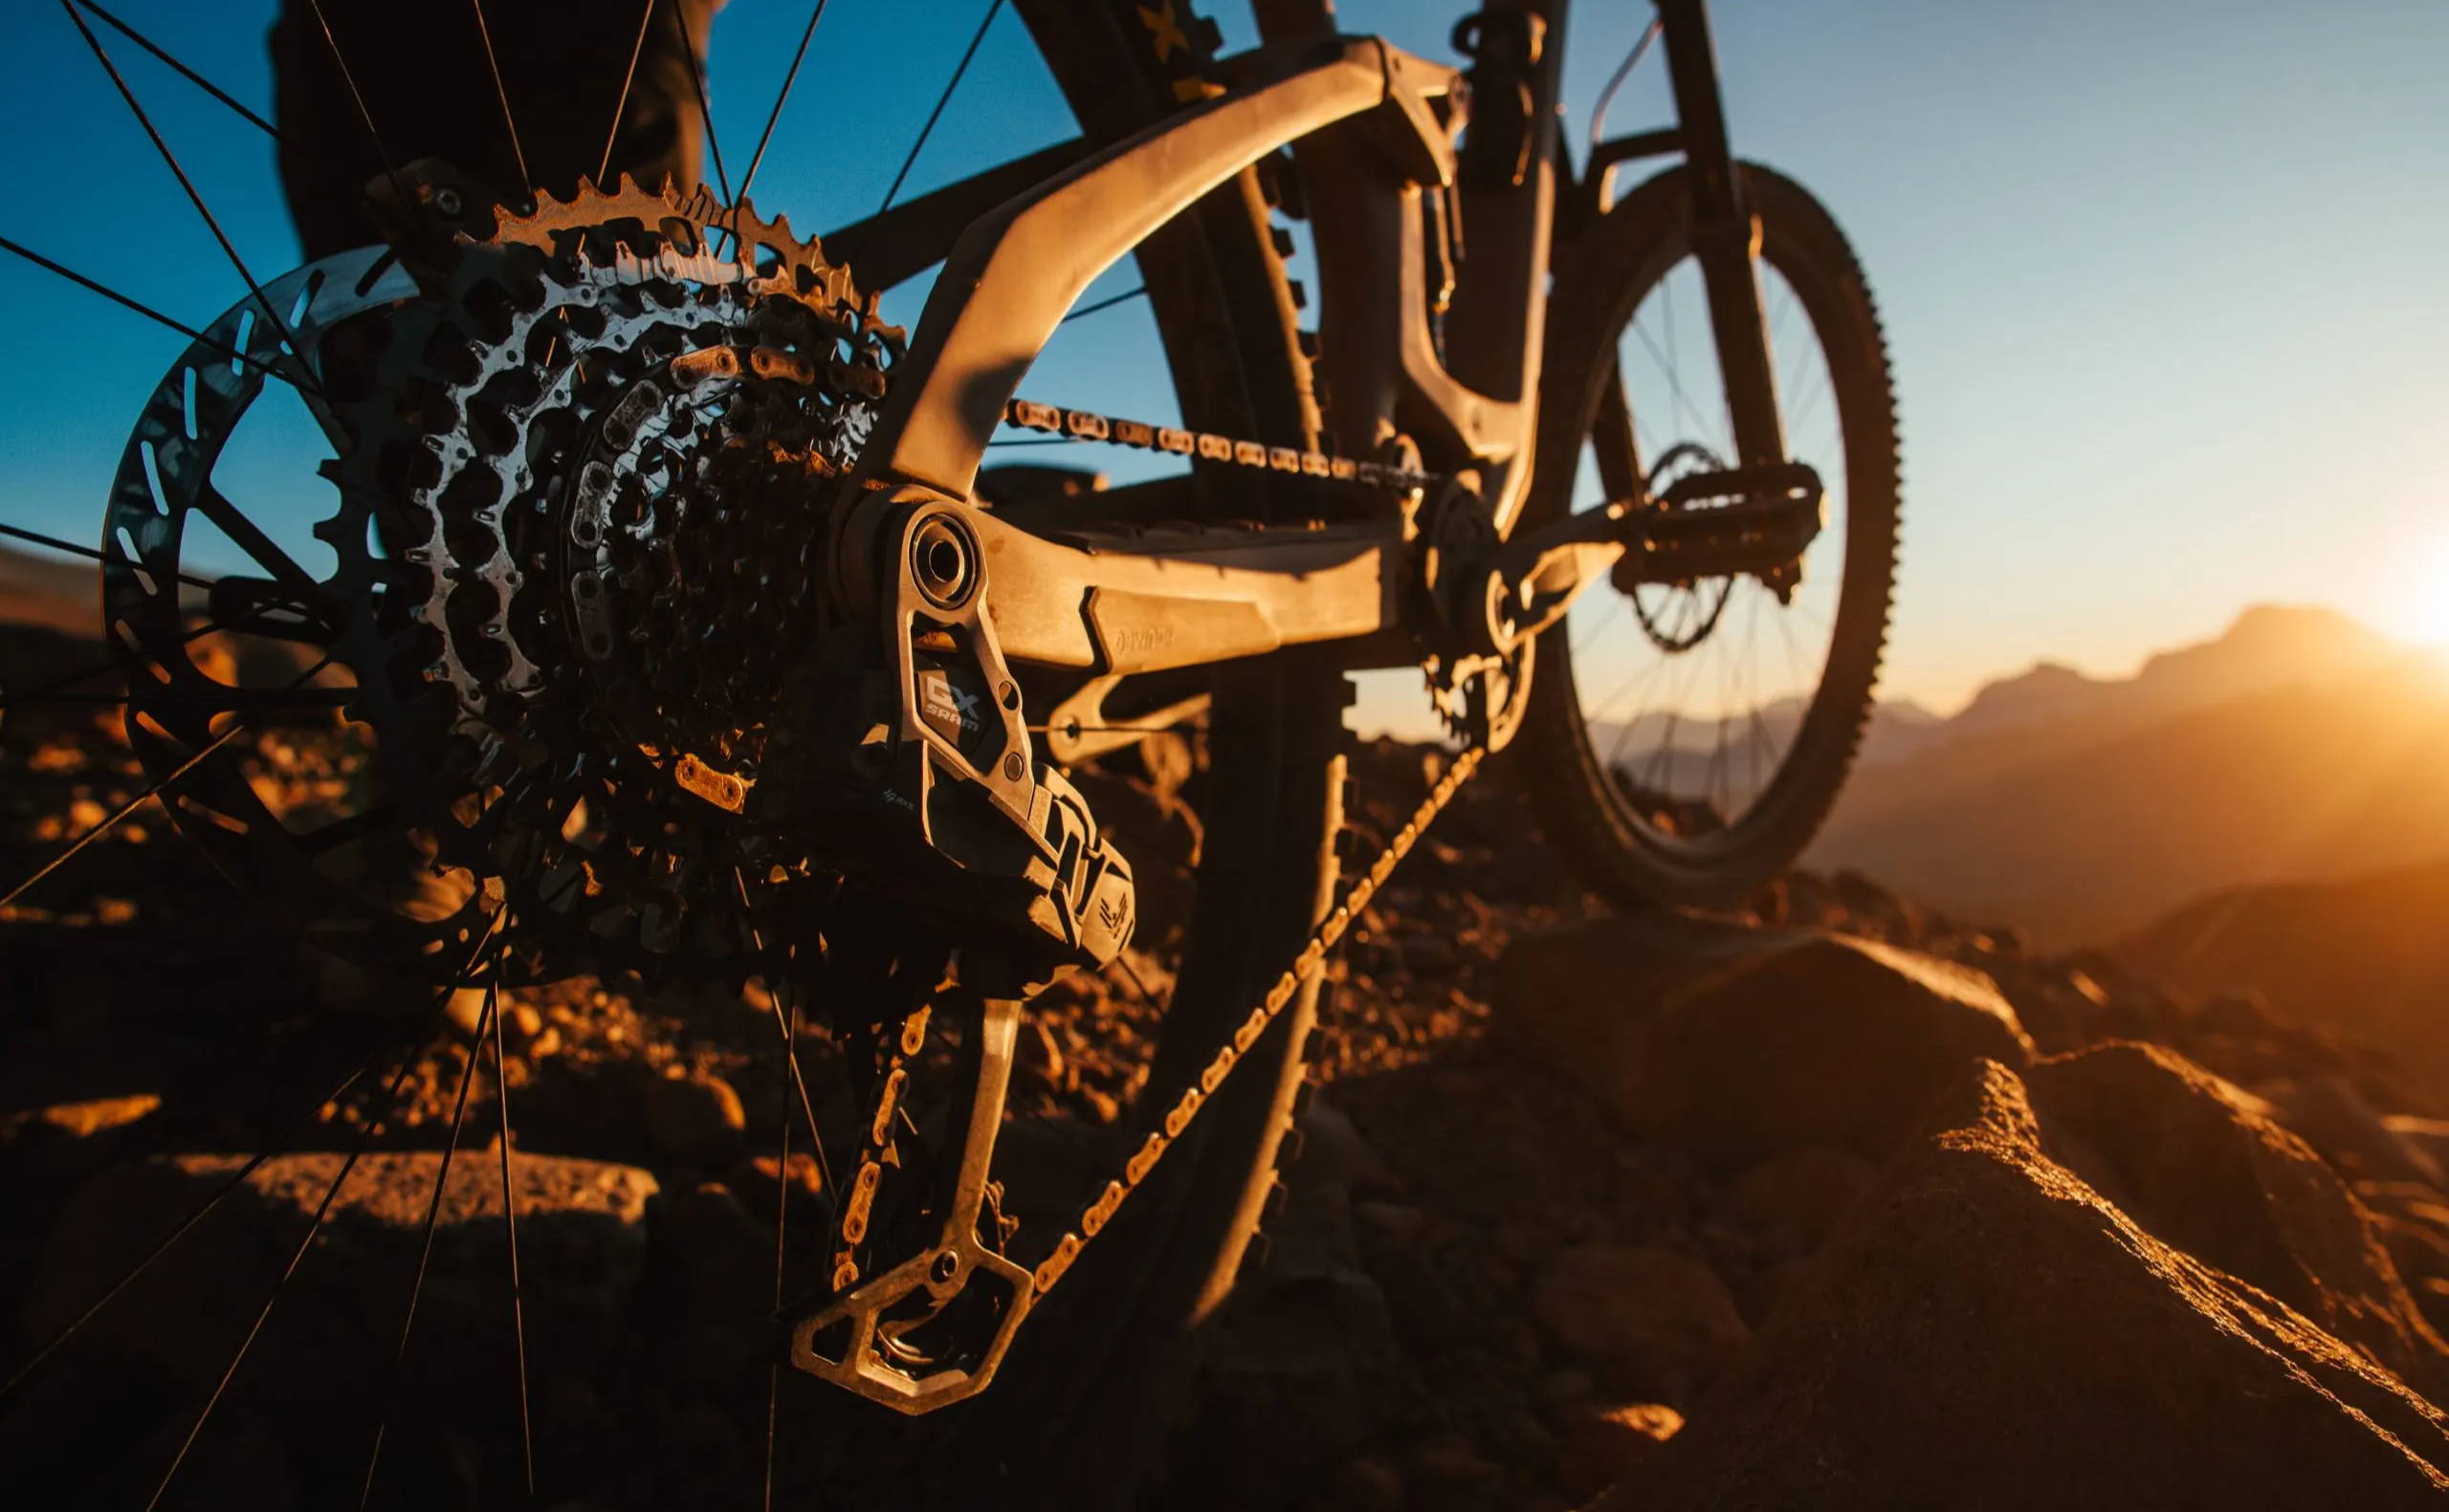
pixel 1094 1366
pixel 1686 740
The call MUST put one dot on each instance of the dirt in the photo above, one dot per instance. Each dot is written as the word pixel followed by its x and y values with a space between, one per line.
pixel 1488 1286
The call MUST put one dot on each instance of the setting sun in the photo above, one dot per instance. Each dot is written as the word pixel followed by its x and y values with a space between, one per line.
pixel 2427 612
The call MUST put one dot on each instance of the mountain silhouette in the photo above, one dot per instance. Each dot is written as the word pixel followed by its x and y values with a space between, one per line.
pixel 2369 954
pixel 2299 745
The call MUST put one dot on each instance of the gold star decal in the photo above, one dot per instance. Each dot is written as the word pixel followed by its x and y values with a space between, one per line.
pixel 1165 30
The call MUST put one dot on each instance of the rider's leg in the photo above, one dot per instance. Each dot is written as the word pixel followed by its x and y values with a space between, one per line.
pixel 426 82
pixel 428 86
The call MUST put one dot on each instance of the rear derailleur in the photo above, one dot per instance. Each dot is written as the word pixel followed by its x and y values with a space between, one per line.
pixel 909 753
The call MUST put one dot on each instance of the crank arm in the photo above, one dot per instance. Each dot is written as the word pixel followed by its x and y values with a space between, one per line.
pixel 932 1330
pixel 1775 515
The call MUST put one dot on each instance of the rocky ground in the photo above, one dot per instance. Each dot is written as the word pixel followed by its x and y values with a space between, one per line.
pixel 1831 1202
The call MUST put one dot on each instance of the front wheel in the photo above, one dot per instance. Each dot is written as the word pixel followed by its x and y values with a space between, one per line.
pixel 1684 740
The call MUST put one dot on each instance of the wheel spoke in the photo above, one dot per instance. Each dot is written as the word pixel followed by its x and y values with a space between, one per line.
pixel 1684 405
pixel 790 1041
pixel 155 315
pixel 322 1210
pixel 517 153
pixel 44 693
pixel 189 74
pixel 236 1180
pixel 38 538
pixel 697 81
pixel 510 1221
pixel 391 169
pixel 1103 304
pixel 756 159
pixel 782 1226
pixel 134 803
pixel 432 1216
pixel 910 160
pixel 1634 683
pixel 621 105
pixel 211 223
pixel 68 853
pixel 1614 612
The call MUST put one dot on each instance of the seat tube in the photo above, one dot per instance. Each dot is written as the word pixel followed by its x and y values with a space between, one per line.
pixel 1722 232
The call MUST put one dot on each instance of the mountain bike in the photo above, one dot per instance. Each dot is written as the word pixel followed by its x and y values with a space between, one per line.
pixel 680 628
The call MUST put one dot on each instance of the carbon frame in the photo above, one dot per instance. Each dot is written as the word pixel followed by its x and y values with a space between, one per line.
pixel 1417 338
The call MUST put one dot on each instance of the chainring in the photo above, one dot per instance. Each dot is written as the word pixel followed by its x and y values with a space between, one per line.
pixel 1704 600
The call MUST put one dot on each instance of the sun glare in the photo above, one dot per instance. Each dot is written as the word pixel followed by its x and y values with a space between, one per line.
pixel 2427 616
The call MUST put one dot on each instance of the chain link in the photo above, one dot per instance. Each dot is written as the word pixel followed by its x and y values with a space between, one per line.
pixel 1087 424
pixel 1311 957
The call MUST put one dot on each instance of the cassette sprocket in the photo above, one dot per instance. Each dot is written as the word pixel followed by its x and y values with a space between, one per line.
pixel 598 444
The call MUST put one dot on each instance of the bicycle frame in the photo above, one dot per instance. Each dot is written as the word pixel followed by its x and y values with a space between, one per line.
pixel 1380 125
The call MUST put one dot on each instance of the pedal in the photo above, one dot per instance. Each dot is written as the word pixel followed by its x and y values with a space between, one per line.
pixel 1756 521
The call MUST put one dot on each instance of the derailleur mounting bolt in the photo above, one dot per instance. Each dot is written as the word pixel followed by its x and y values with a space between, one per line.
pixel 939 561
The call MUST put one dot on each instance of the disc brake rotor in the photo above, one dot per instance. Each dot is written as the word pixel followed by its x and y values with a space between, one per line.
pixel 575 540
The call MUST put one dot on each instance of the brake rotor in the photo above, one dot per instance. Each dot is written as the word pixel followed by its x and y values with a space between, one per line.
pixel 581 466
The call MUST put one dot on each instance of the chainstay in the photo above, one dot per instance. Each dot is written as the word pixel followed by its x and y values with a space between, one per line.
pixel 1186 1106
pixel 1087 424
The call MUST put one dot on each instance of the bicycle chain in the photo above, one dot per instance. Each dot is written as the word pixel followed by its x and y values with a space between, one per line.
pixel 1087 424
pixel 896 1044
pixel 1312 956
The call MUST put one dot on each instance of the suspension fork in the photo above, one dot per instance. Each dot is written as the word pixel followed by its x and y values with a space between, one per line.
pixel 1722 232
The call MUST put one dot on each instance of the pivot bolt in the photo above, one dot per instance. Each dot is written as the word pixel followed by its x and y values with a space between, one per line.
pixel 940 563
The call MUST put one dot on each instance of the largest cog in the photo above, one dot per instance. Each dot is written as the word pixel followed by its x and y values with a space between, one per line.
pixel 599 444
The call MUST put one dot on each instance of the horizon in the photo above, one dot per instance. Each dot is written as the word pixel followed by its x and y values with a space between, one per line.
pixel 2147 264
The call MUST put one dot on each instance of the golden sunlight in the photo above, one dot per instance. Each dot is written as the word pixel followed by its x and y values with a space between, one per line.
pixel 2430 616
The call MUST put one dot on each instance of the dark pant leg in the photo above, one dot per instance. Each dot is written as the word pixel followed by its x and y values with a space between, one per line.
pixel 421 68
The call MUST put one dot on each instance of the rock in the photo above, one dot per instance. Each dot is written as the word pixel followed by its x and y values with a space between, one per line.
pixel 1162 838
pixel 2429 1137
pixel 1992 1327
pixel 1367 1486
pixel 2336 1119
pixel 1296 1372
pixel 696 1117
pixel 1747 1039
pixel 1603 1447
pixel 1321 1167
pixel 324 1353
pixel 1565 1396
pixel 1650 1315
pixel 78 1120
pixel 2201 1166
pixel 1453 1478
pixel 710 1288
pixel 1397 1221
pixel 1790 1202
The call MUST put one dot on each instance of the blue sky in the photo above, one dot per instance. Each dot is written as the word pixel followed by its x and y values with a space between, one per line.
pixel 2163 278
